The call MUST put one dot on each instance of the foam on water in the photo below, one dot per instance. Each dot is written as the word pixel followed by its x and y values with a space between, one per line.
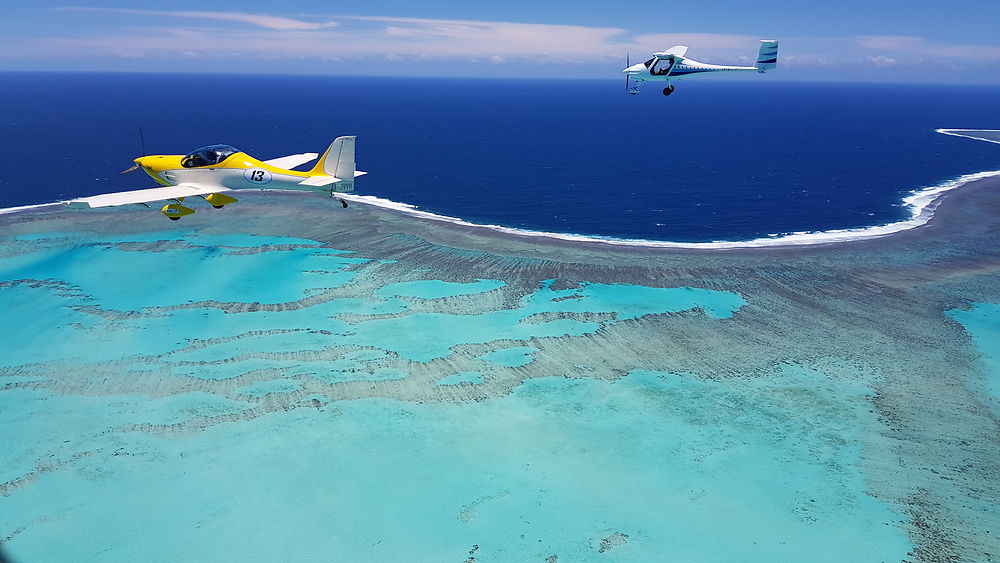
pixel 988 135
pixel 54 205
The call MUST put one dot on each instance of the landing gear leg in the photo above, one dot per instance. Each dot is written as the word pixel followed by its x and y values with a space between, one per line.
pixel 342 202
pixel 668 90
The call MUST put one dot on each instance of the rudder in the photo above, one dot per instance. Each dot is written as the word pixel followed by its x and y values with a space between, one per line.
pixel 338 160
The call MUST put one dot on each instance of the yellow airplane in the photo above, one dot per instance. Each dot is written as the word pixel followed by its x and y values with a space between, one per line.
pixel 209 171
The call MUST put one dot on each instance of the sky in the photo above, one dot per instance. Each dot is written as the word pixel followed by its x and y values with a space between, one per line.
pixel 849 40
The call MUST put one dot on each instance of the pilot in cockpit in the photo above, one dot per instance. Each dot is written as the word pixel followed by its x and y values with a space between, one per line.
pixel 208 156
pixel 662 67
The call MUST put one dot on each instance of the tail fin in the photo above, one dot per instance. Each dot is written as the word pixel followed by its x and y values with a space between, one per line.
pixel 338 160
pixel 767 57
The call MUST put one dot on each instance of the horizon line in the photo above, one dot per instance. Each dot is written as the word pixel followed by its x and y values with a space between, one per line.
pixel 479 77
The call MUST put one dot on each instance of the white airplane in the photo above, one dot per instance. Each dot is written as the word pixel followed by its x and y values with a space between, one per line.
pixel 671 65
pixel 211 170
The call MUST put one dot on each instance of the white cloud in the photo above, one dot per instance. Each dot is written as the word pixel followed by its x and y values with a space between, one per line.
pixel 918 46
pixel 364 36
pixel 265 21
pixel 288 44
pixel 882 61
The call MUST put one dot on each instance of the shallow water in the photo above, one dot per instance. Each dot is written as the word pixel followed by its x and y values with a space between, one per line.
pixel 554 469
pixel 360 407
pixel 982 321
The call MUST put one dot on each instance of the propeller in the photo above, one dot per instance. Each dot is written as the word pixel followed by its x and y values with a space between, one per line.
pixel 626 68
pixel 142 147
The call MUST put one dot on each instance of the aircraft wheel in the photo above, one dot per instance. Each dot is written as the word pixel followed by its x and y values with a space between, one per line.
pixel 668 90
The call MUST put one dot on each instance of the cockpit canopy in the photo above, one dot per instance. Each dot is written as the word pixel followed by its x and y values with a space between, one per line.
pixel 208 156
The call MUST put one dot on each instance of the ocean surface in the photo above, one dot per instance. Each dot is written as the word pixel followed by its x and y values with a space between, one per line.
pixel 718 160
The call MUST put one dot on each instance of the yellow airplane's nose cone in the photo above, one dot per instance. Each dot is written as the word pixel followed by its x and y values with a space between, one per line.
pixel 158 162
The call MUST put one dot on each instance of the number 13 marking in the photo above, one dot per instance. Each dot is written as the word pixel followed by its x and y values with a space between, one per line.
pixel 257 176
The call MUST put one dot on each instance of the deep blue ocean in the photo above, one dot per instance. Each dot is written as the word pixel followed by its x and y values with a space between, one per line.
pixel 718 160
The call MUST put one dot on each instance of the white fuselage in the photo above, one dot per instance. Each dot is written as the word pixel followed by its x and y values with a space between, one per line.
pixel 245 179
pixel 688 67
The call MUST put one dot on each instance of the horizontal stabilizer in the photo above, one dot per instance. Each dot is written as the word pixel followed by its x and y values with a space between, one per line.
pixel 144 196
pixel 317 181
pixel 292 160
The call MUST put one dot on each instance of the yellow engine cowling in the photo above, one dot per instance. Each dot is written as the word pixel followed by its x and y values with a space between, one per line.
pixel 218 200
pixel 175 211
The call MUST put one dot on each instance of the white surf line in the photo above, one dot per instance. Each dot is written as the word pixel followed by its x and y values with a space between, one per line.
pixel 27 207
pixel 921 203
pixel 964 134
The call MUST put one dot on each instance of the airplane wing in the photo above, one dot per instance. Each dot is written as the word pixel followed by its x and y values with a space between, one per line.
pixel 292 160
pixel 676 51
pixel 145 196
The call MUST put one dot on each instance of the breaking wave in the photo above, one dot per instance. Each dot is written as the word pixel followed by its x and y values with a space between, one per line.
pixel 921 204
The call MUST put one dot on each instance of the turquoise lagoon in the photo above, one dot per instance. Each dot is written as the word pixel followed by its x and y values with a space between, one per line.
pixel 187 395
pixel 982 322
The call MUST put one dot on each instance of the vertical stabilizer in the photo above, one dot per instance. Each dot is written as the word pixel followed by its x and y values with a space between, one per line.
pixel 338 160
pixel 767 57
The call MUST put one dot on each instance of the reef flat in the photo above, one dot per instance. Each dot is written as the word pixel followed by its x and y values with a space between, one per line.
pixel 287 380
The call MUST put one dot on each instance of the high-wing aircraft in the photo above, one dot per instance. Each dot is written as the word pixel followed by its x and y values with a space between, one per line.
pixel 671 65
pixel 209 171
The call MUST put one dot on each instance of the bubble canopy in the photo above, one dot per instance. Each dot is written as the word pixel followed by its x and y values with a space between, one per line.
pixel 208 156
